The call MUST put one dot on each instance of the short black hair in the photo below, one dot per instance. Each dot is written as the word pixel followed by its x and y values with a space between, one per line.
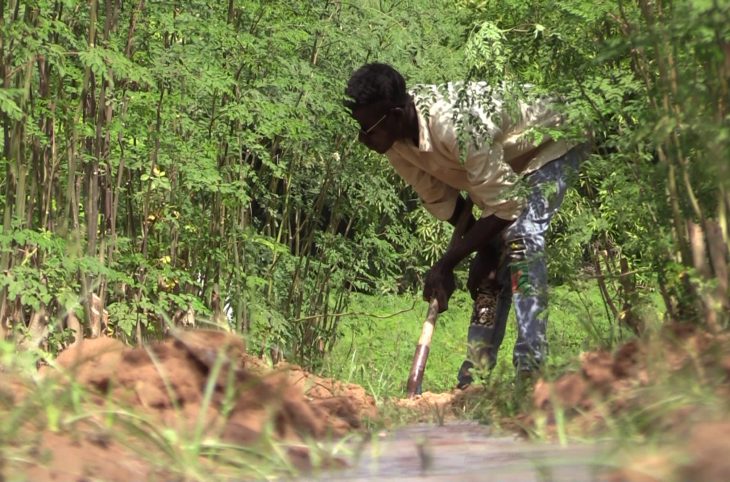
pixel 373 83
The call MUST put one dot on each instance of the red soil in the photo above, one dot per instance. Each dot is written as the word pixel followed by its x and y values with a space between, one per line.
pixel 640 376
pixel 167 381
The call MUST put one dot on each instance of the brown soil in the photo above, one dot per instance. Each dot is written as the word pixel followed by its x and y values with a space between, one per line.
pixel 609 383
pixel 441 407
pixel 639 375
pixel 168 380
pixel 85 456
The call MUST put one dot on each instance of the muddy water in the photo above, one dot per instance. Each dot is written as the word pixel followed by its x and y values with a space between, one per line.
pixel 465 452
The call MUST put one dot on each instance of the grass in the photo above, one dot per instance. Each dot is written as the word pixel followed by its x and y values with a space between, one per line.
pixel 647 429
pixel 35 409
pixel 376 351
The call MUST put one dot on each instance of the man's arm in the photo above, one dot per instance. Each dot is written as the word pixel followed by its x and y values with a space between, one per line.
pixel 459 211
pixel 440 283
pixel 476 237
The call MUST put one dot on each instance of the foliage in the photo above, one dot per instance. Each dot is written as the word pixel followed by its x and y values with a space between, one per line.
pixel 193 163
pixel 649 80
pixel 179 163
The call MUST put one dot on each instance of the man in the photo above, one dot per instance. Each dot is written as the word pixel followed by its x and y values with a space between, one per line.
pixel 469 137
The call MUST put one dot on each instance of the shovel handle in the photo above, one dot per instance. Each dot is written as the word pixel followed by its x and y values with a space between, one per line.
pixel 420 357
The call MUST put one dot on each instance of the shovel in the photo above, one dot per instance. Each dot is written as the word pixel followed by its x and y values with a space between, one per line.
pixel 420 357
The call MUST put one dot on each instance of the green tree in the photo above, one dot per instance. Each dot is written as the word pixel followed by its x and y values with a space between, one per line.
pixel 650 81
pixel 190 162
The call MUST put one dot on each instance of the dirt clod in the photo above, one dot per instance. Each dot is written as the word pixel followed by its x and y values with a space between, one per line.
pixel 202 379
pixel 173 376
pixel 709 446
pixel 639 377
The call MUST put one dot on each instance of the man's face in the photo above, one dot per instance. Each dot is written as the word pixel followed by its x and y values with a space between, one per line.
pixel 378 126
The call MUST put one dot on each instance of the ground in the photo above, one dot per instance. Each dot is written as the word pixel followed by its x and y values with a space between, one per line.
pixel 198 407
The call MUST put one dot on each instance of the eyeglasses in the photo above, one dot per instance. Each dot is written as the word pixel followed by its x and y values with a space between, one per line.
pixel 369 130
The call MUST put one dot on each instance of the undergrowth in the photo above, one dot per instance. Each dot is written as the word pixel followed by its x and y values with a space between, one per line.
pixel 51 415
pixel 376 350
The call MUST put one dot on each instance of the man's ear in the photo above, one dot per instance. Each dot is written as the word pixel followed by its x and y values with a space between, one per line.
pixel 398 114
pixel 400 119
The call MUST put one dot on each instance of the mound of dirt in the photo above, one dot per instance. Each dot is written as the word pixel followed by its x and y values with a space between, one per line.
pixel 171 378
pixel 196 380
pixel 442 407
pixel 639 377
pixel 612 380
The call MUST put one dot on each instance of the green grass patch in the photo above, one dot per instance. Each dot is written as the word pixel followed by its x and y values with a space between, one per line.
pixel 376 350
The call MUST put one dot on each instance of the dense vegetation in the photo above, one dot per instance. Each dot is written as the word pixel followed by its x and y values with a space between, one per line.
pixel 185 162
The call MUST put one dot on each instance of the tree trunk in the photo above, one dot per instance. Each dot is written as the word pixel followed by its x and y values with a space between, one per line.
pixel 37 329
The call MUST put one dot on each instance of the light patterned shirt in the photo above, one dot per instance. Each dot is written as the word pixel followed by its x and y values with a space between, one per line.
pixel 470 139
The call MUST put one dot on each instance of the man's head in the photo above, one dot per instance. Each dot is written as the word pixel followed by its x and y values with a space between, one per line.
pixel 379 101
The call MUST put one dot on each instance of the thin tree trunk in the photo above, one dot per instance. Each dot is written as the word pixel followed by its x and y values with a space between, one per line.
pixel 37 329
pixel 719 259
pixel 73 324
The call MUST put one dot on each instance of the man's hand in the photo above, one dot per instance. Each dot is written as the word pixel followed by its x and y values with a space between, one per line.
pixel 482 270
pixel 440 284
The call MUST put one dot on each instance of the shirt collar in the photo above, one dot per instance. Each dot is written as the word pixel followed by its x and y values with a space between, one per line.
pixel 424 134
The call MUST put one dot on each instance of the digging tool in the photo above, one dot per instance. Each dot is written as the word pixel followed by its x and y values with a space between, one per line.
pixel 420 357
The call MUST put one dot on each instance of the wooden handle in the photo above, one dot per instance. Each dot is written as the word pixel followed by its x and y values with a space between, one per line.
pixel 420 357
pixel 429 324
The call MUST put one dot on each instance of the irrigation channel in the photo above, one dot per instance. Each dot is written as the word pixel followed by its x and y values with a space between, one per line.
pixel 466 451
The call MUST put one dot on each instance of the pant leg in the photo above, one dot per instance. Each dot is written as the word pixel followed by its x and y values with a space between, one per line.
pixel 503 304
pixel 488 319
pixel 525 242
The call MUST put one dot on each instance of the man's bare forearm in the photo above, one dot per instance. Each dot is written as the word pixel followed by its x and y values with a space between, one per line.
pixel 482 231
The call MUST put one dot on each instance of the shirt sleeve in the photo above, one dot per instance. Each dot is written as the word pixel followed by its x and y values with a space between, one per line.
pixel 437 197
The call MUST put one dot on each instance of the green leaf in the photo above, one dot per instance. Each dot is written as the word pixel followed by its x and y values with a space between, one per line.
pixel 8 104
